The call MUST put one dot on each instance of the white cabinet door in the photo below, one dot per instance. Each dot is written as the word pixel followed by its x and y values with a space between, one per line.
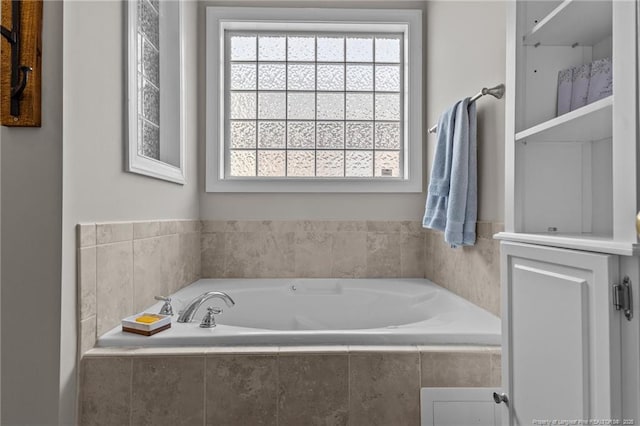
pixel 561 335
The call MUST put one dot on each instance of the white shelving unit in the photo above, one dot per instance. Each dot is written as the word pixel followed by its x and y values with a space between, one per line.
pixel 572 179
pixel 591 122
pixel 571 199
pixel 585 22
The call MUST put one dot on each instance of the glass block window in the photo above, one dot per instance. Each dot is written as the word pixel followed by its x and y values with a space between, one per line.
pixel 313 105
pixel 148 59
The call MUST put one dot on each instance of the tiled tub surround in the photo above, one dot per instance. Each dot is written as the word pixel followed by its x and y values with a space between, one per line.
pixel 353 249
pixel 335 385
pixel 123 265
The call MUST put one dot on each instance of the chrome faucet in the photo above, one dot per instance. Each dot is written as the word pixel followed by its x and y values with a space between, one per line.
pixel 190 311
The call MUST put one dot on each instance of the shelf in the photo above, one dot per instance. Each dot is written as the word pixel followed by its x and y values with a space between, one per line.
pixel 590 123
pixel 587 242
pixel 585 22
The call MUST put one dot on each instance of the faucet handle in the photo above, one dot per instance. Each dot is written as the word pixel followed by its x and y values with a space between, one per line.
pixel 166 309
pixel 209 320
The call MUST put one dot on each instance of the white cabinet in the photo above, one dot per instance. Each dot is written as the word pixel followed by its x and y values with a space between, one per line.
pixel 571 197
pixel 561 334
pixel 572 179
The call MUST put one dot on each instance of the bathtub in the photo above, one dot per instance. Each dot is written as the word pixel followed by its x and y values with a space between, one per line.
pixel 284 312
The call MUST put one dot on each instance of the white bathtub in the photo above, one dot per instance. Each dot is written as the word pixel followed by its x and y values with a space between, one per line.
pixel 323 312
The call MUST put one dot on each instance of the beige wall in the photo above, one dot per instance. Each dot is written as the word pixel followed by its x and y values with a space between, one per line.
pixel 461 56
pixel 31 247
pixel 96 188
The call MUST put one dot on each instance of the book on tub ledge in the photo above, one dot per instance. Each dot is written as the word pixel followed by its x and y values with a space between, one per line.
pixel 146 324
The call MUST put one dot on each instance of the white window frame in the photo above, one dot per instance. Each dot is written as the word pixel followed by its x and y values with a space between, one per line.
pixel 407 22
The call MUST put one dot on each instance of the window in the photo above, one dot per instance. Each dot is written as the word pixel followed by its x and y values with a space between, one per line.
pixel 155 90
pixel 331 105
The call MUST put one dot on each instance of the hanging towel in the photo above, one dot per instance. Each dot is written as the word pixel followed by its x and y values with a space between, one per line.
pixel 452 195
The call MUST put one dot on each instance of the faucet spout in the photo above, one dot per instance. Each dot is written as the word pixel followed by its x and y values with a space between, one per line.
pixel 191 309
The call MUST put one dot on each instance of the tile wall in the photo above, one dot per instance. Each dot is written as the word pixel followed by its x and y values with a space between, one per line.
pixel 123 265
pixel 339 385
pixel 353 249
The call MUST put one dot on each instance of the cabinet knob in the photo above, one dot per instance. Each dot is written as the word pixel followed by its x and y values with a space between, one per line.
pixel 500 397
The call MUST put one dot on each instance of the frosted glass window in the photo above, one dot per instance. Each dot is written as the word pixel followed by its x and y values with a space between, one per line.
pixel 301 163
pixel 301 49
pixel 387 49
pixel 330 135
pixel 243 77
pixel 305 105
pixel 272 48
pixel 272 77
pixel 330 49
pixel 243 163
pixel 330 163
pixel 387 78
pixel 243 48
pixel 271 163
pixel 330 77
pixel 330 106
pixel 301 106
pixel 359 49
pixel 360 78
pixel 243 134
pixel 301 77
pixel 271 105
pixel 271 134
pixel 243 105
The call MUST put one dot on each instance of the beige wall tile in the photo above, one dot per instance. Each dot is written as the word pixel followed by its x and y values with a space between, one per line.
pixel 483 230
pixel 313 390
pixel 456 369
pixel 259 255
pixel 189 260
pixel 313 254
pixel 411 226
pixel 241 390
pixel 282 226
pixel 168 391
pixel 212 254
pixel 87 334
pixel 471 272
pixel 210 226
pixel 86 235
pixel 114 264
pixel 87 282
pixel 155 269
pixel 412 255
pixel 497 227
pixel 311 226
pixel 384 389
pixel 349 225
pixel 428 255
pixel 168 227
pixel 386 226
pixel 105 397
pixel 188 226
pixel 146 229
pixel 349 254
pixel 496 371
pixel 114 232
pixel 383 254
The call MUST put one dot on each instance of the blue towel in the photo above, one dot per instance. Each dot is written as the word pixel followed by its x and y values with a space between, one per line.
pixel 452 198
